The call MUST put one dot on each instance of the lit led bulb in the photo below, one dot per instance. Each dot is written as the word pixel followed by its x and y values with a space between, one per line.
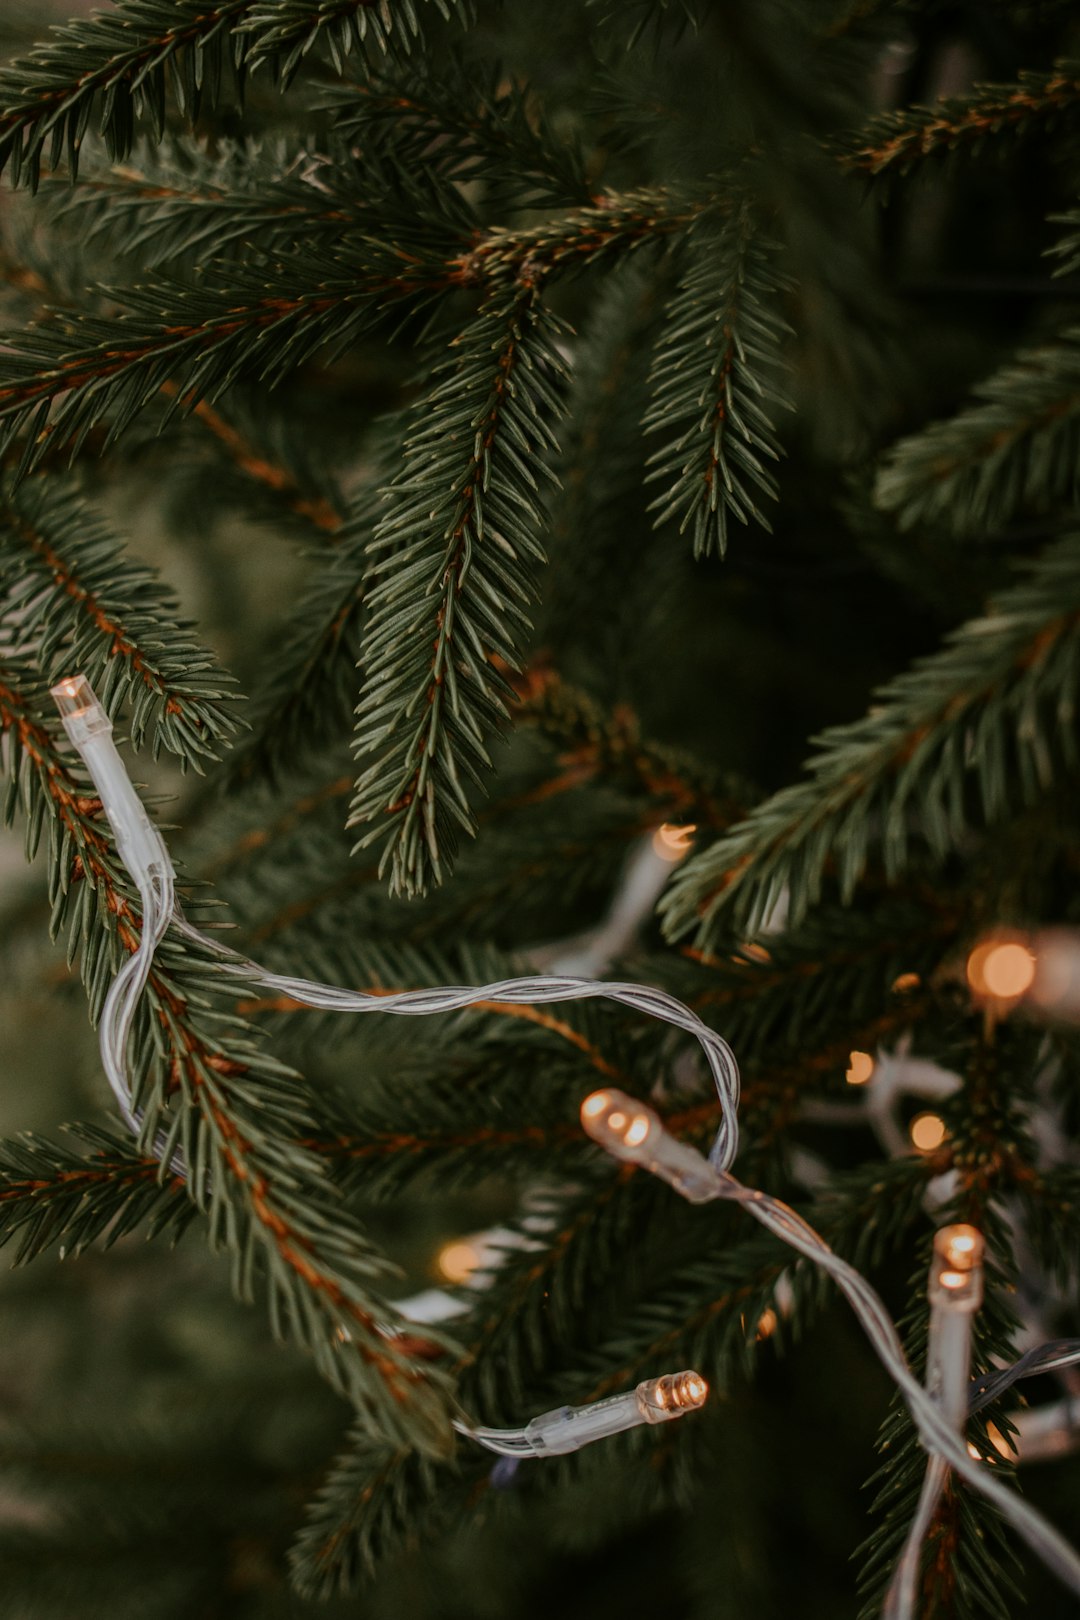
pixel 657 1400
pixel 632 1132
pixel 1001 969
pixel 89 729
pixel 956 1274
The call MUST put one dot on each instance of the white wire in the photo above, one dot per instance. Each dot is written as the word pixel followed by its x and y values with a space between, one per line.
pixel 934 1431
pixel 535 990
pixel 157 893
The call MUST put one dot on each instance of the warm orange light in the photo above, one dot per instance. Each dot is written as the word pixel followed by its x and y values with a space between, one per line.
pixel 594 1104
pixel 694 1388
pixel 860 1068
pixel 1001 968
pixel 671 843
pixel 961 1247
pixel 953 1279
pixel 457 1261
pixel 906 981
pixel 637 1130
pixel 755 952
pixel 617 1120
pixel 927 1132
pixel 767 1324
pixel 997 1440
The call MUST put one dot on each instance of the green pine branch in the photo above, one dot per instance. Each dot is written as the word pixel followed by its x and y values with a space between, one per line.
pixel 283 32
pixel 963 738
pixel 454 563
pixel 598 744
pixel 699 1308
pixel 88 608
pixel 238 1116
pixel 51 1194
pixel 896 143
pixel 66 377
pixel 113 68
pixel 715 389
pixel 471 123
pixel 1015 450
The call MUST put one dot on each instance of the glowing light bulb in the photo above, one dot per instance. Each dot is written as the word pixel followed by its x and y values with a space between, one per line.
pixel 568 1428
pixel 458 1260
pixel 663 1398
pixel 672 843
pixel 956 1274
pixel 961 1247
pixel 927 1132
pixel 767 1324
pixel 634 1133
pixel 1001 969
pixel 860 1068
pixel 905 982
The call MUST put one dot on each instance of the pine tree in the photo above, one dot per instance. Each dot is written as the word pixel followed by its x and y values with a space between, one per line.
pixel 458 440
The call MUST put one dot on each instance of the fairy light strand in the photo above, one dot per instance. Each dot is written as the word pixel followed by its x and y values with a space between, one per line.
pixel 640 1136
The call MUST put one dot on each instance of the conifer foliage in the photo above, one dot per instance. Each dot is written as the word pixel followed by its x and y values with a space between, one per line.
pixel 458 440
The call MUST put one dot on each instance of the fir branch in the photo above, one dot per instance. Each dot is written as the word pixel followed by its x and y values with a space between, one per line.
pixel 65 378
pixel 307 701
pixel 1016 449
pixel 285 31
pixel 470 123
pixel 62 381
pixel 988 719
pixel 838 971
pixel 714 381
pixel 116 63
pixel 703 1312
pixel 88 608
pixel 49 1193
pixel 454 563
pixel 238 1115
pixel 895 143
pixel 593 744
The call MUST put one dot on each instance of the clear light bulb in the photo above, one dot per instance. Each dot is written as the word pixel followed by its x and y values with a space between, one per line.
pixel 89 729
pixel 634 1133
pixel 657 1400
pixel 956 1272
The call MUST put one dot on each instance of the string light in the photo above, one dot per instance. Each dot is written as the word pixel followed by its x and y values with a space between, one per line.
pixel 860 1068
pixel 1001 969
pixel 768 1322
pixel 672 843
pixel 568 1428
pixel 628 1129
pixel 955 1291
pixel 927 1132
pixel 936 1433
pixel 905 982
pixel 457 1261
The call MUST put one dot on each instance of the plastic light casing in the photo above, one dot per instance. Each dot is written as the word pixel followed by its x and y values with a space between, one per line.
pixel 89 729
pixel 956 1292
pixel 633 1132
pixel 657 1400
pixel 956 1272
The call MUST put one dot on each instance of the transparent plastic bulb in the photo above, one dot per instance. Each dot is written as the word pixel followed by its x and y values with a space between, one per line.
pixel 89 729
pixel 956 1272
pixel 657 1400
pixel 634 1133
